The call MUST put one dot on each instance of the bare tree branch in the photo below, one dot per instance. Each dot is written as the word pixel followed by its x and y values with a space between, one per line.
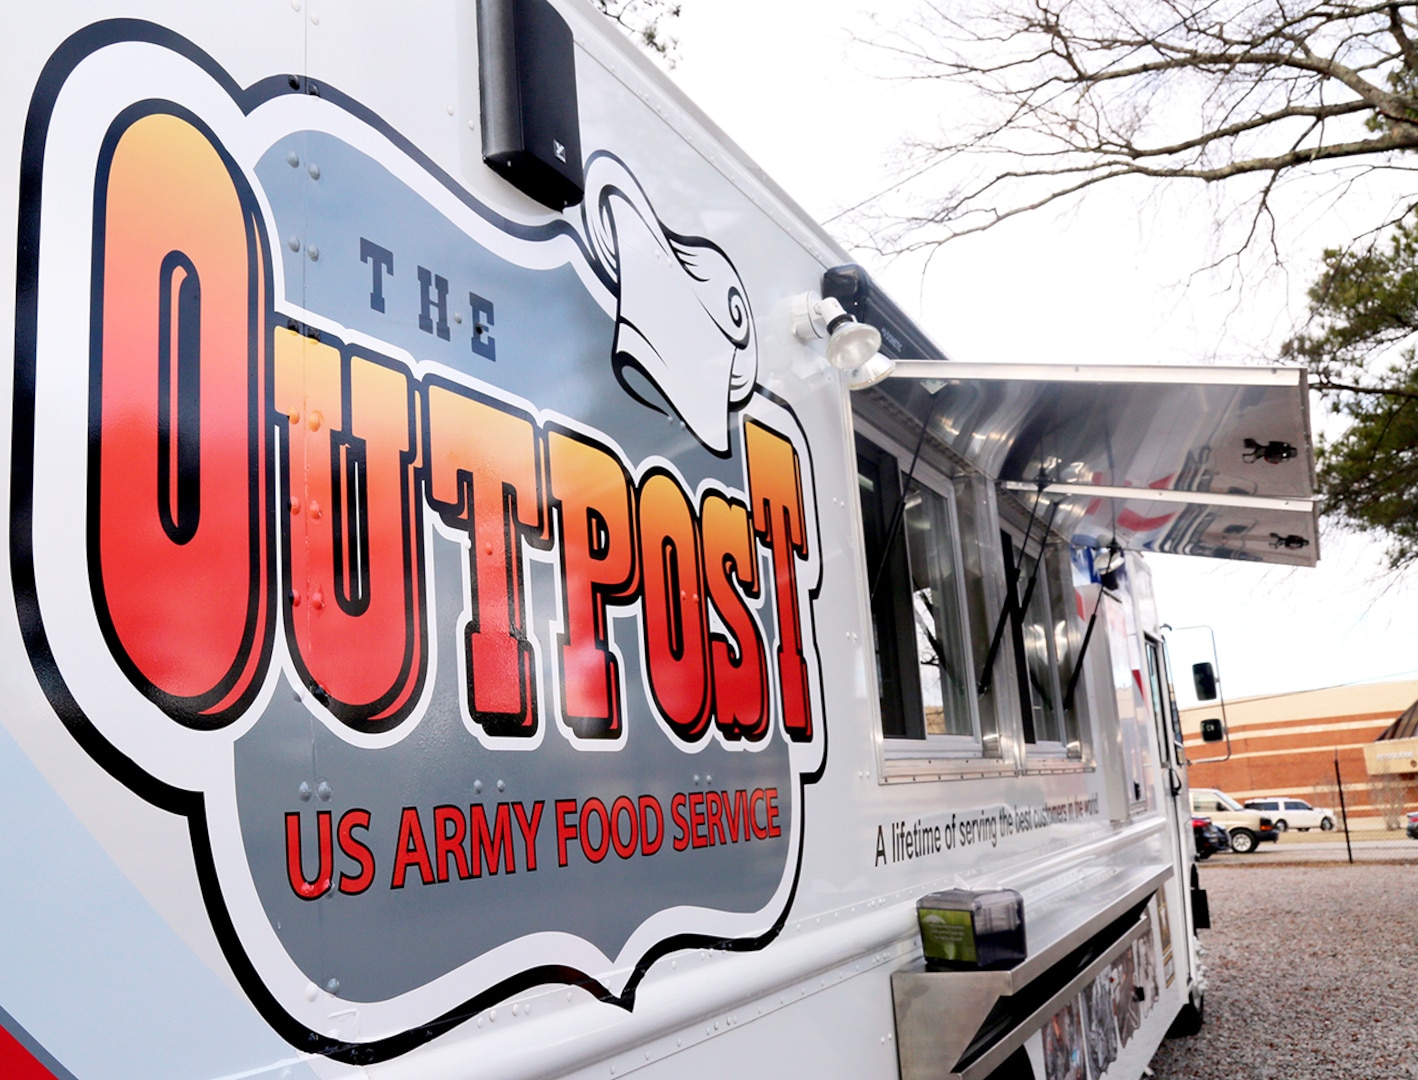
pixel 1083 92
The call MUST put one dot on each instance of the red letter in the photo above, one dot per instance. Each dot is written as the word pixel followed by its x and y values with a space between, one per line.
pixel 595 854
pixel 740 681
pixel 447 843
pixel 565 830
pixel 483 479
pixel 712 807
pixel 356 850
pixel 649 805
pixel 178 458
pixel 413 850
pixel 495 846
pixel 776 486
pixel 592 493
pixel 696 818
pixel 738 816
pixel 624 805
pixel 295 864
pixel 677 808
pixel 529 831
pixel 759 832
pixel 676 630
pixel 353 530
pixel 772 800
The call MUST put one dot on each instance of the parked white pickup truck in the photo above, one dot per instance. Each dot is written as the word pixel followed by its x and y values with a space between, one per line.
pixel 1246 827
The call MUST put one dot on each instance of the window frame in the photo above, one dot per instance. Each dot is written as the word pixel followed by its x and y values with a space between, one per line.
pixel 923 756
pixel 1072 749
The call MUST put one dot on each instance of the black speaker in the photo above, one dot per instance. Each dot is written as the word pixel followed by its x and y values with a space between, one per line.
pixel 527 75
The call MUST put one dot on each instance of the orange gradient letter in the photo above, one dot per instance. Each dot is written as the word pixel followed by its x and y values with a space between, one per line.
pixel 592 492
pixel 353 529
pixel 776 491
pixel 178 471
pixel 483 479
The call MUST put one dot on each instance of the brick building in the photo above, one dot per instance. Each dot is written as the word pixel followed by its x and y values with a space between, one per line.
pixel 1286 744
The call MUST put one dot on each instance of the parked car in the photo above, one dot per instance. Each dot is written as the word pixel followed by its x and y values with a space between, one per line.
pixel 1291 813
pixel 1413 824
pixel 1246 828
pixel 1210 837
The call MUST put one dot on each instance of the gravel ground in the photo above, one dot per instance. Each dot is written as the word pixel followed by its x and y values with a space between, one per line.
pixel 1327 956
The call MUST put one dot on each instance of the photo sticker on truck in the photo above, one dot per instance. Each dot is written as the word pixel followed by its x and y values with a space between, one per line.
pixel 453 575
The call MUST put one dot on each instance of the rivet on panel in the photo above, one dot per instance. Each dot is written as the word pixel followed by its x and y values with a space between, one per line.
pixel 457 316
pixel 295 417
pixel 313 252
pixel 516 1008
pixel 492 1015
pixel 333 986
pixel 295 598
pixel 501 786
pixel 451 110
pixel 293 159
pixel 304 790
pixel 293 243
pixel 314 171
pixel 315 509
pixel 477 790
pixel 295 5
pixel 317 600
pixel 311 991
pixel 314 19
pixel 316 419
pixel 294 504
pixel 324 791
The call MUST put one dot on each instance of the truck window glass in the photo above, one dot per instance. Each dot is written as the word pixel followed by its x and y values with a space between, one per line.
pixel 1039 629
pixel 924 662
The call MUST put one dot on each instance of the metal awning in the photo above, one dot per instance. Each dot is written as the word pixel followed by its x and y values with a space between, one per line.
pixel 1212 461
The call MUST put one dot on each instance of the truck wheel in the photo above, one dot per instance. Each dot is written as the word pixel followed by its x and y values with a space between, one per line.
pixel 1243 841
pixel 1327 824
pixel 1190 1019
pixel 1281 826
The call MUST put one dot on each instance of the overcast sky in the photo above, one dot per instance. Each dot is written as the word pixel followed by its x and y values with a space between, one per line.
pixel 1109 279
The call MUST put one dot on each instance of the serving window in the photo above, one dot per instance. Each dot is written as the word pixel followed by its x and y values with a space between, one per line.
pixel 920 582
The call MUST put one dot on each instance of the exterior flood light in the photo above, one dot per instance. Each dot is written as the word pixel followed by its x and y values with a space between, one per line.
pixel 869 373
pixel 852 346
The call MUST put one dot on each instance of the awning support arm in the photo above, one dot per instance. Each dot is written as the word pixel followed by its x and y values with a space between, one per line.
pixel 1012 585
pixel 899 515
pixel 1082 652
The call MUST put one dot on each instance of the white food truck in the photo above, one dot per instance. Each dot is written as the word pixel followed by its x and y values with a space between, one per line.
pixel 493 591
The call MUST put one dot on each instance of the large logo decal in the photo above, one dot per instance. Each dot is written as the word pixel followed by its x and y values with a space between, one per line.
pixel 450 573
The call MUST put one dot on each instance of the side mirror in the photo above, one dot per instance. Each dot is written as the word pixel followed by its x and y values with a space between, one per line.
pixel 1204 679
pixel 1212 730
